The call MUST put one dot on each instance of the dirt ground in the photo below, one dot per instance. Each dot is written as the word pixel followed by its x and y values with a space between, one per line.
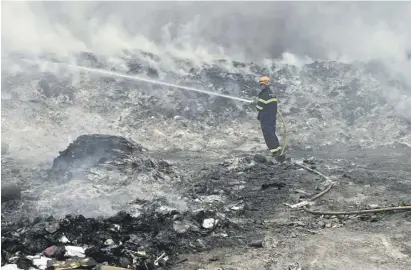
pixel 294 239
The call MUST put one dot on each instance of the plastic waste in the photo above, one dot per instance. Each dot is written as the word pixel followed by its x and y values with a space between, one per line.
pixel 109 242
pixel 39 261
pixel 209 223
pixel 64 239
pixel 10 267
pixel 73 251
pixel 55 252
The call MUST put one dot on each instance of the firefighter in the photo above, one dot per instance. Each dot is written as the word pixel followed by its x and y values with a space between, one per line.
pixel 266 104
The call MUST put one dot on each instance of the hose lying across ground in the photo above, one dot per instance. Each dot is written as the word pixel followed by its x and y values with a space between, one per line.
pixel 326 190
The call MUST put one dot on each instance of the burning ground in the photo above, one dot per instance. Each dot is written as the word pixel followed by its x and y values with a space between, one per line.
pixel 186 170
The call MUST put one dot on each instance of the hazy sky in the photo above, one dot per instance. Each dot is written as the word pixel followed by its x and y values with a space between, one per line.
pixel 245 30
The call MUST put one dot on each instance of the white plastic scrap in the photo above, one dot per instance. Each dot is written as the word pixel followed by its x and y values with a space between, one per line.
pixel 10 267
pixel 73 251
pixel 14 267
pixel 115 227
pixel 39 261
pixel 141 253
pixel 209 223
pixel 64 239
pixel 109 242
pixel 237 207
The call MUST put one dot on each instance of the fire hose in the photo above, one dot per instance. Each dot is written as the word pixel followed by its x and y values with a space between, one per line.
pixel 328 188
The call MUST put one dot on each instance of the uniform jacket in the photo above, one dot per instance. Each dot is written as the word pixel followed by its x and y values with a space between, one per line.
pixel 267 105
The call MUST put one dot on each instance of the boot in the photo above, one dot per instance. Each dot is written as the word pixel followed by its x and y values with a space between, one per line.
pixel 279 157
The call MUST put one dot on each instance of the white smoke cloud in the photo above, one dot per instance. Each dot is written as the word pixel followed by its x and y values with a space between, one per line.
pixel 243 30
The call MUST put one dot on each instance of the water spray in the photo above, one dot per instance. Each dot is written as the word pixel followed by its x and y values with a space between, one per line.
pixel 136 78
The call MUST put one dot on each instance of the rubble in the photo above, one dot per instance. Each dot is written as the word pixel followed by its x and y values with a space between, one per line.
pixel 90 152
pixel 151 240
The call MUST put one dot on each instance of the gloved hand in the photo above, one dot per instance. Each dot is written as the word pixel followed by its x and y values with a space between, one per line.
pixel 254 100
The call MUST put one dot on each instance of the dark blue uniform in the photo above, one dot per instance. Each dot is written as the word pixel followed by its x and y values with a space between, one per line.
pixel 267 114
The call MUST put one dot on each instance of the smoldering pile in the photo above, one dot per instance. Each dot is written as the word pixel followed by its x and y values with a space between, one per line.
pixel 96 173
pixel 89 153
pixel 150 236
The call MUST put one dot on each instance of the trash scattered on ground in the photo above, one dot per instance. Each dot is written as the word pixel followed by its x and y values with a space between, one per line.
pixel 71 263
pixel 153 239
pixel 10 267
pixel 73 251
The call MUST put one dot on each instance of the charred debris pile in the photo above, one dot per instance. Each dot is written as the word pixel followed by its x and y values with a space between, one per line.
pixel 112 161
pixel 90 153
pixel 150 238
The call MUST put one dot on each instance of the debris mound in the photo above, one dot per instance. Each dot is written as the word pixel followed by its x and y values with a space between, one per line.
pixel 96 175
pixel 89 150
pixel 152 239
pixel 94 151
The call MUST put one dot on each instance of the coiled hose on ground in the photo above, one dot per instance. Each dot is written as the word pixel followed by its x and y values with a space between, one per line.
pixel 328 188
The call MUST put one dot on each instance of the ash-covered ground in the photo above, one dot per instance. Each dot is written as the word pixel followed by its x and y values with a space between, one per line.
pixel 144 170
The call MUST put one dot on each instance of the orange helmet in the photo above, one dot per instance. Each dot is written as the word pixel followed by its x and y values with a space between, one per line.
pixel 264 80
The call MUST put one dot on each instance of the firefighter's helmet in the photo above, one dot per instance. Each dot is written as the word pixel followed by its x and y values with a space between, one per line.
pixel 265 80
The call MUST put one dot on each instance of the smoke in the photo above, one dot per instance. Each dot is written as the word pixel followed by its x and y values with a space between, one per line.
pixel 242 30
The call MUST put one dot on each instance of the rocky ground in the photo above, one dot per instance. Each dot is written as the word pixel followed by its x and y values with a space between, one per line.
pixel 166 179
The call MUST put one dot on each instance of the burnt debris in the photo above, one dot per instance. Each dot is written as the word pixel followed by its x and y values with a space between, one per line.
pixel 122 240
pixel 98 151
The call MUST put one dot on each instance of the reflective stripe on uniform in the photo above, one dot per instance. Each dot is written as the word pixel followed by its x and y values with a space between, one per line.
pixel 267 101
pixel 259 107
pixel 275 149
pixel 75 264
